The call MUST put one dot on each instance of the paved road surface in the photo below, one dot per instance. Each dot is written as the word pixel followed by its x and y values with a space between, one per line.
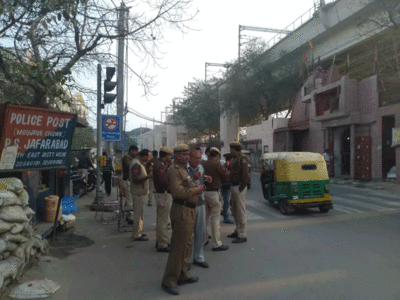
pixel 352 252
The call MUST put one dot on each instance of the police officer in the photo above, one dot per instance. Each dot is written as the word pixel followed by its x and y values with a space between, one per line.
pixel 185 196
pixel 239 176
pixel 140 189
pixel 163 198
pixel 213 168
pixel 126 161
pixel 153 160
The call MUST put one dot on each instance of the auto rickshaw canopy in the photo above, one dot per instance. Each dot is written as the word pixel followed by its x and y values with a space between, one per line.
pixel 296 166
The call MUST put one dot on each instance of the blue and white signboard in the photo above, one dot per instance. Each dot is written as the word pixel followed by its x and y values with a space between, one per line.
pixel 111 128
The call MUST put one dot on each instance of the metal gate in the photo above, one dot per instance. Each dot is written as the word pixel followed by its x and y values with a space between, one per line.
pixel 362 160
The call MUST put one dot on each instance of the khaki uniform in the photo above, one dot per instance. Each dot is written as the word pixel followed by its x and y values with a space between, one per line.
pixel 213 199
pixel 239 176
pixel 139 193
pixel 163 200
pixel 182 221
pixel 126 184
pixel 153 161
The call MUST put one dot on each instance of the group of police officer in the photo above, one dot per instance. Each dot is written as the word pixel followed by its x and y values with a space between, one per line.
pixel 173 184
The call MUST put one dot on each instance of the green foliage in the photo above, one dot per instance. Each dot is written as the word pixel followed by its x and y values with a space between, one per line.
pixel 252 89
pixel 130 141
pixel 200 112
pixel 51 38
pixel 83 138
pixel 249 88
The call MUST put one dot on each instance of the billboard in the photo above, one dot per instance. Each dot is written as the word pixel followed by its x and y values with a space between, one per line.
pixel 35 138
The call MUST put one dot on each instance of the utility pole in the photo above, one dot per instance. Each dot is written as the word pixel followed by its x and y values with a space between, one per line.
pixel 99 194
pixel 121 59
pixel 213 65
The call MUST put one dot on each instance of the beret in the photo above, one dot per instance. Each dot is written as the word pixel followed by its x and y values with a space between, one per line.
pixel 215 149
pixel 234 143
pixel 181 148
pixel 166 150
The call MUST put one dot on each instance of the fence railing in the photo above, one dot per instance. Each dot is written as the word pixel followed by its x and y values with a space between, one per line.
pixel 304 18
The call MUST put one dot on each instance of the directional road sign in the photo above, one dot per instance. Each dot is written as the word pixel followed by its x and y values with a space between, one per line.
pixel 111 128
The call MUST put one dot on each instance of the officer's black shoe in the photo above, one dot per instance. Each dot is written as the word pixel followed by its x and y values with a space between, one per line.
pixel 221 248
pixel 192 279
pixel 166 249
pixel 129 222
pixel 239 240
pixel 173 290
pixel 229 221
pixel 233 235
pixel 141 239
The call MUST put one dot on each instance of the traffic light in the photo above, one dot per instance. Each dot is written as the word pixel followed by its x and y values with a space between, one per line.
pixel 109 85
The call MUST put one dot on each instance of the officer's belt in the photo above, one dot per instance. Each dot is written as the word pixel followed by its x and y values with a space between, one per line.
pixel 161 192
pixel 182 202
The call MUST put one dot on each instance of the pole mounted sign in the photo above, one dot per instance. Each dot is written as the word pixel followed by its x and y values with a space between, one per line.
pixel 111 128
pixel 34 138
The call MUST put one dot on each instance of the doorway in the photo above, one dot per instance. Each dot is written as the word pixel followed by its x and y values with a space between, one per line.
pixel 345 151
pixel 388 152
pixel 300 140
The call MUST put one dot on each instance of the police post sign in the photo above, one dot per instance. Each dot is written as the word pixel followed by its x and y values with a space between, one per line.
pixel 34 138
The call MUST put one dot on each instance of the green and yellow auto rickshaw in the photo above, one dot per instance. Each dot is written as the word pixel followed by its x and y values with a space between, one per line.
pixel 296 180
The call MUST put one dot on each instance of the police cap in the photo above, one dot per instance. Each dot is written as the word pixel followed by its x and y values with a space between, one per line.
pixel 166 150
pixel 181 148
pixel 215 149
pixel 234 143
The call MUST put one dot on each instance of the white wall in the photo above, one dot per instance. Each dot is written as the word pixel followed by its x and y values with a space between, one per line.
pixel 265 132
pixel 229 131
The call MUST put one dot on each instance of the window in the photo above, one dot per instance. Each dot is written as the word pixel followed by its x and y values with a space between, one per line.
pixel 308 89
pixel 308 167
pixel 327 101
pixel 266 149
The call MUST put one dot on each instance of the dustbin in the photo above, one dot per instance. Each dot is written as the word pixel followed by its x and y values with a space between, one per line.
pixel 51 208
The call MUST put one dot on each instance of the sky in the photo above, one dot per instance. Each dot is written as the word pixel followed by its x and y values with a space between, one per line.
pixel 215 40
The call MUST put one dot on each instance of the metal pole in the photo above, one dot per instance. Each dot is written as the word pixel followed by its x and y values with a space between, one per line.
pixel 99 194
pixel 239 45
pixel 121 60
pixel 205 67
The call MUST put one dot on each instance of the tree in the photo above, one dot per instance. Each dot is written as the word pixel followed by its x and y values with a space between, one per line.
pixel 253 90
pixel 200 112
pixel 49 39
pixel 83 138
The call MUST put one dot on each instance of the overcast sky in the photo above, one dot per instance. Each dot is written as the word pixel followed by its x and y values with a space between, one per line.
pixel 215 41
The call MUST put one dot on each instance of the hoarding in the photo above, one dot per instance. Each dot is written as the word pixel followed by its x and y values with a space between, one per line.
pixel 35 138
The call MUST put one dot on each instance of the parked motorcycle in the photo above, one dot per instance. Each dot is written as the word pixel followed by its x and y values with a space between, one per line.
pixel 92 179
pixel 78 180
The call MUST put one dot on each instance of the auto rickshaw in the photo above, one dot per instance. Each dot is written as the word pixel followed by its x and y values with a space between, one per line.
pixel 296 180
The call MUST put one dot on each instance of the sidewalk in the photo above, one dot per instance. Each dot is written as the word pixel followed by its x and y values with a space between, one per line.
pixel 93 254
pixel 384 185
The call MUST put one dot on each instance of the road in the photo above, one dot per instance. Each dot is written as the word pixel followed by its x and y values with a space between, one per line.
pixel 352 252
pixel 346 199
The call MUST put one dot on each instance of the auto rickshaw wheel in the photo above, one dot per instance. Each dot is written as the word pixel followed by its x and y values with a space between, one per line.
pixel 324 208
pixel 283 207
